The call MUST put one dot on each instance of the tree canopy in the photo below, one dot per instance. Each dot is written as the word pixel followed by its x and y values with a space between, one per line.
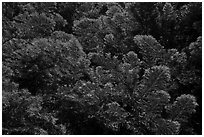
pixel 101 68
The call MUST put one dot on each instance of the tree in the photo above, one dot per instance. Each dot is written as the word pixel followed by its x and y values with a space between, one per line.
pixel 102 68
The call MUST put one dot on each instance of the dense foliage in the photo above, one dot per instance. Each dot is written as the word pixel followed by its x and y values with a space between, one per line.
pixel 101 68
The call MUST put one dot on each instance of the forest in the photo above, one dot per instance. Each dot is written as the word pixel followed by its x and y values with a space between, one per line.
pixel 101 68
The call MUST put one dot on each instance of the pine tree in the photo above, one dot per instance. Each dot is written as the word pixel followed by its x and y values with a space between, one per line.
pixel 114 73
